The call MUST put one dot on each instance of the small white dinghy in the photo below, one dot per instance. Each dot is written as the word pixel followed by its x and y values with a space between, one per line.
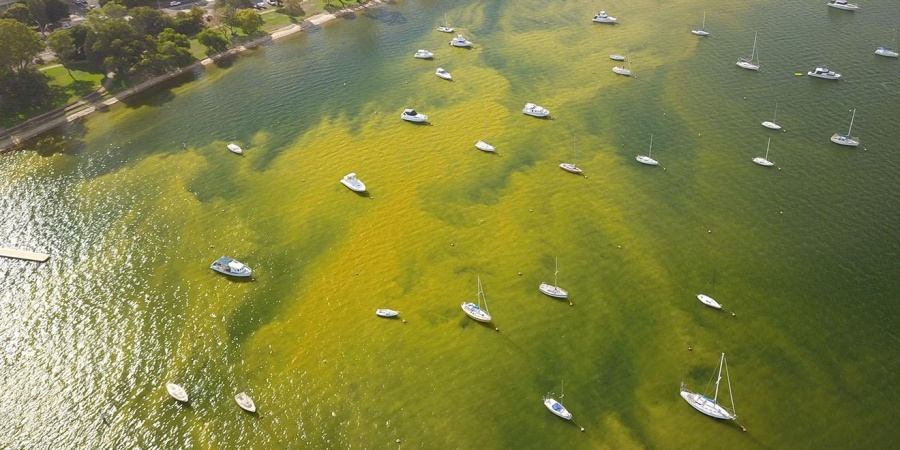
pixel 177 392
pixel 235 149
pixel 386 313
pixel 423 54
pixel 441 73
pixel 353 183
pixel 244 401
pixel 708 301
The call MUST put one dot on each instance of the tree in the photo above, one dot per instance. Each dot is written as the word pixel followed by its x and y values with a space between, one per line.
pixel 174 48
pixel 150 21
pixel 23 90
pixel 115 44
pixel 38 11
pixel 248 20
pixel 294 7
pixel 189 23
pixel 62 43
pixel 19 12
pixel 213 41
pixel 56 10
pixel 18 45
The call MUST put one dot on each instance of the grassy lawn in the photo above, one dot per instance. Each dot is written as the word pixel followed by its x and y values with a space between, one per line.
pixel 66 89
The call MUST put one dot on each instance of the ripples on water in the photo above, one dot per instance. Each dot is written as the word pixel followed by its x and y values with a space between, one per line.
pixel 135 202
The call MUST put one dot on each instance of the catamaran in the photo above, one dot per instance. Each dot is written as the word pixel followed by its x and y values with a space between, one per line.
pixel 552 289
pixel 646 159
pixel 764 161
pixel 772 125
pixel 846 139
pixel 711 406
pixel 702 31
pixel 749 64
pixel 477 312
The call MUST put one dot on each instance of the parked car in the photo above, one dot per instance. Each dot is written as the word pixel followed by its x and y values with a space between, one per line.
pixel 174 3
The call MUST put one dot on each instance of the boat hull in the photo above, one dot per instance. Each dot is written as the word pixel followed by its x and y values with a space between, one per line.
pixel 763 162
pixel 357 186
pixel 484 146
pixel 706 405
pixel 235 149
pixel 622 71
pixel 887 53
pixel 844 140
pixel 747 65
pixel 557 408
pixel 708 301
pixel 386 313
pixel 553 291
pixel 646 160
pixel 177 392
pixel 617 57
pixel 441 73
pixel 245 402
pixel 473 311
pixel 844 6
pixel 571 168
pixel 417 118
pixel 771 125
pixel 700 32
pixel 445 29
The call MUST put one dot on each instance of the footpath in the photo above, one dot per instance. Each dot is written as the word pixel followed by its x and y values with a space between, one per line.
pixel 11 137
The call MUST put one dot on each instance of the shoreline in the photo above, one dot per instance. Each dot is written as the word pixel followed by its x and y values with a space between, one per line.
pixel 11 138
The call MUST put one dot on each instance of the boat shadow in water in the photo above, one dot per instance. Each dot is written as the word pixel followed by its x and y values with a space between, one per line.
pixel 365 194
pixel 250 279
pixel 466 322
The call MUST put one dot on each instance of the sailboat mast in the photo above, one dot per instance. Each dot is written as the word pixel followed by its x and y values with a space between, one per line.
pixel 851 122
pixel 719 378
pixel 776 112
pixel 703 25
pixel 767 148
pixel 650 152
pixel 730 395
pixel 555 273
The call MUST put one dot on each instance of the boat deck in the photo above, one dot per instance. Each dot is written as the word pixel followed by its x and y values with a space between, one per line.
pixel 21 254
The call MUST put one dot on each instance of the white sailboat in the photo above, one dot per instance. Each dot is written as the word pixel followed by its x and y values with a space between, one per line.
pixel 846 139
pixel 477 312
pixel 711 406
pixel 484 146
pixel 764 161
pixel 556 407
pixel 554 290
pixel 445 28
pixel 749 64
pixel 646 159
pixel 384 312
pixel 707 300
pixel 571 167
pixel 886 51
pixel 702 31
pixel 772 125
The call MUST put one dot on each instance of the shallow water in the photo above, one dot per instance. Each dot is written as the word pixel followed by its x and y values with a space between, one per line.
pixel 135 202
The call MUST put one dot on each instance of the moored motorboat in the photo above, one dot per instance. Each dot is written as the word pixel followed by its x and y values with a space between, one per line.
pixel 410 115
pixel 353 183
pixel 824 73
pixel 445 29
pixel 177 392
pixel 230 266
pixel 884 51
pixel 423 54
pixel 843 4
pixel 386 313
pixel 602 17
pixel 535 110
pixel 460 41
pixel 235 149
pixel 244 401
pixel 440 72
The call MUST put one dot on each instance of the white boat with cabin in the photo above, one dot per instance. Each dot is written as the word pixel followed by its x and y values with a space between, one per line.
pixel 844 5
pixel 571 167
pixel 177 392
pixel 884 51
pixel 617 57
pixel 646 159
pixel 244 401
pixel 535 110
pixel 772 125
pixel 441 73
pixel 846 139
pixel 764 161
pixel 235 149
pixel 230 266
pixel 824 73
pixel 553 290
pixel 445 28
pixel 477 312
pixel 702 31
pixel 386 313
pixel 423 54
pixel 753 62
pixel 624 69
pixel 460 41
pixel 353 183
pixel 711 406
pixel 410 115
pixel 602 17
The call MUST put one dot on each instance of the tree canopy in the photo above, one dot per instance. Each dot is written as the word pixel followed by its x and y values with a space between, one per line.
pixel 20 45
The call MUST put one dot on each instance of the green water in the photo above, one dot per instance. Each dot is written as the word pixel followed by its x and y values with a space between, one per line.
pixel 135 203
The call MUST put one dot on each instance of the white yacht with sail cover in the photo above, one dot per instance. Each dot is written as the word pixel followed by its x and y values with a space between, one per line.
pixel 646 159
pixel 711 406
pixel 753 62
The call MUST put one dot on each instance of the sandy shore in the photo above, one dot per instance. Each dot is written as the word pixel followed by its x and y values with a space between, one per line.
pixel 29 129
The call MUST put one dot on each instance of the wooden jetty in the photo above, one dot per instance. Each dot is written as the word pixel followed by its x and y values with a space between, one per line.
pixel 20 254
